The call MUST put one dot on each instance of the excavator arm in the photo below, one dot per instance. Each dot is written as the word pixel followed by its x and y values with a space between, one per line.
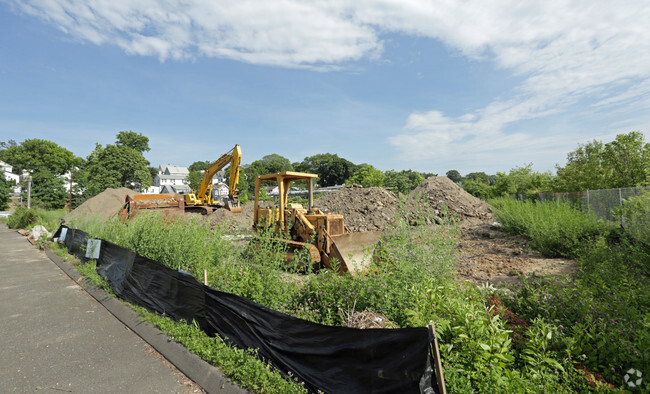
pixel 203 196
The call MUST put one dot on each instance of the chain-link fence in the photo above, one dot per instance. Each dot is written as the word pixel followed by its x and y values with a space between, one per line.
pixel 600 202
pixel 603 203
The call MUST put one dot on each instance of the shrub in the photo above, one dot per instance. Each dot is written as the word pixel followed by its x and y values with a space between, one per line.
pixel 22 218
pixel 555 228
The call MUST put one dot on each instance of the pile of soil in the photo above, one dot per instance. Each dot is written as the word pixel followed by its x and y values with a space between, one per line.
pixel 441 194
pixel 364 209
pixel 103 205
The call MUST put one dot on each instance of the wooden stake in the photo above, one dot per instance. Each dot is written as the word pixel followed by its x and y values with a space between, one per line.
pixel 205 277
pixel 437 362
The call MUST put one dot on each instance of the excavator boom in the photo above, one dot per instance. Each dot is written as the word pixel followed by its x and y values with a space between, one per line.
pixel 203 199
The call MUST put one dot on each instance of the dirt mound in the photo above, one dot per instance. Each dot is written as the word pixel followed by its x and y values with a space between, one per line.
pixel 364 209
pixel 440 192
pixel 104 205
pixel 234 221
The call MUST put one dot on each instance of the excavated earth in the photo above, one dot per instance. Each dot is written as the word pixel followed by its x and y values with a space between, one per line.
pixel 486 253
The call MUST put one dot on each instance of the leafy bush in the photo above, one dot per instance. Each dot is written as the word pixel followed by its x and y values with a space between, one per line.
pixel 22 218
pixel 555 228
pixel 28 218
pixel 635 214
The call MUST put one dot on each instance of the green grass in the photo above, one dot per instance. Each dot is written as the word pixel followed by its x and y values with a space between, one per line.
pixel 555 228
pixel 28 218
pixel 598 319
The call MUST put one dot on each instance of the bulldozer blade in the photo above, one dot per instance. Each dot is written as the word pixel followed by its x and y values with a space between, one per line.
pixel 354 250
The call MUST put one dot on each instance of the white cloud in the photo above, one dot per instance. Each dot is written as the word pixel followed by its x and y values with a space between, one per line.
pixel 565 52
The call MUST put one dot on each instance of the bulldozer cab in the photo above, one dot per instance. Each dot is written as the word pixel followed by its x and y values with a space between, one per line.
pixel 309 225
pixel 269 216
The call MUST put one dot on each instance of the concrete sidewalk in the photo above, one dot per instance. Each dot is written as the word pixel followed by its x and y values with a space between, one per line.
pixel 56 337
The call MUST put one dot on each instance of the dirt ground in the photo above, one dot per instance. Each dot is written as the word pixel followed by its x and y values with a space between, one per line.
pixel 486 253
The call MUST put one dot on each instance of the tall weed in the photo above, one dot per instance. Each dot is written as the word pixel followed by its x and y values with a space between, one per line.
pixel 555 228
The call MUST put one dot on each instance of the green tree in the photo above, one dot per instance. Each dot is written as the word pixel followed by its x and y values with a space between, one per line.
pixel 199 165
pixel 403 181
pixel 367 176
pixel 267 165
pixel 194 179
pixel 276 163
pixel 585 169
pixel 480 177
pixel 133 140
pixel 5 191
pixel 522 181
pixel 7 145
pixel 153 171
pixel 478 189
pixel 51 192
pixel 330 168
pixel 35 154
pixel 628 157
pixel 624 162
pixel 115 166
pixel 454 175
pixel 45 161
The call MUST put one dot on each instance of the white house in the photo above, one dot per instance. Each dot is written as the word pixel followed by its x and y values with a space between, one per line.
pixel 170 179
pixel 7 172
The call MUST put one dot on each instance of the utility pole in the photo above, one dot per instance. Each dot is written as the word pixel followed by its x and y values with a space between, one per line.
pixel 70 207
pixel 29 192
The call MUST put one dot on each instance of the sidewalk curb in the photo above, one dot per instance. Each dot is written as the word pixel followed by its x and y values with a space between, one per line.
pixel 205 375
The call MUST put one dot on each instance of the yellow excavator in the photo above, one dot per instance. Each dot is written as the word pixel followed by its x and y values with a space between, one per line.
pixel 324 234
pixel 204 199
pixel 201 200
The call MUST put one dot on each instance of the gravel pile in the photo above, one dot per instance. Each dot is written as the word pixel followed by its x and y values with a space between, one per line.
pixel 364 209
pixel 441 193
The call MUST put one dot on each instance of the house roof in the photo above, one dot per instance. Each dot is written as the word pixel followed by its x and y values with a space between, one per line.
pixel 169 169
pixel 173 176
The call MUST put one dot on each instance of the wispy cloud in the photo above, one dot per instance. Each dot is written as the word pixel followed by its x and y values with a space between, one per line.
pixel 567 53
pixel 564 52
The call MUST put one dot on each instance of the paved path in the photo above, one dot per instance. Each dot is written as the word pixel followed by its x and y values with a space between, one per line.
pixel 54 337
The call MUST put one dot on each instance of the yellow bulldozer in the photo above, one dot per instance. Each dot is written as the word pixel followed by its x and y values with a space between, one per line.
pixel 325 234
pixel 204 200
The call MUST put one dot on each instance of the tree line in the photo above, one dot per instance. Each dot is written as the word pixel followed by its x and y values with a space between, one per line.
pixel 122 164
pixel 624 162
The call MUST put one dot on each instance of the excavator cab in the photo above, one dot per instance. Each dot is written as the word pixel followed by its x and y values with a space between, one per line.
pixel 202 200
pixel 324 233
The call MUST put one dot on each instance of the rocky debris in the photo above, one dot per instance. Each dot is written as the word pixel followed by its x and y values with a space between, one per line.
pixel 38 231
pixel 103 205
pixel 368 319
pixel 364 209
pixel 447 198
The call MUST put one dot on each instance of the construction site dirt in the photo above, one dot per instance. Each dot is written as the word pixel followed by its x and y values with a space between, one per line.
pixel 486 254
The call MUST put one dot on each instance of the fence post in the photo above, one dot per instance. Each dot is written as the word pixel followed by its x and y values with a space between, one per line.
pixel 436 360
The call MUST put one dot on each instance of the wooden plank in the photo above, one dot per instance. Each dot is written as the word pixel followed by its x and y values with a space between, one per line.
pixel 437 361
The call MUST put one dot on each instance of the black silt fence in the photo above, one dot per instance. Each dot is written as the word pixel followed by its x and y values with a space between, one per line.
pixel 327 358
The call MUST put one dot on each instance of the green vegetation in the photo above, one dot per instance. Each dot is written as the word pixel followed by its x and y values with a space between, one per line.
pixel 28 218
pixel 597 320
pixel 600 317
pixel 118 165
pixel 367 176
pixel 5 191
pixel 554 228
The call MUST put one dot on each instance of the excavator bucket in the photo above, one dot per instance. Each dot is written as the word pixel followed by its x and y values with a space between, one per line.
pixel 232 206
pixel 354 250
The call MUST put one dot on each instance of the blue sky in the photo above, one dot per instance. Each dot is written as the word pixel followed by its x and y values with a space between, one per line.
pixel 405 84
